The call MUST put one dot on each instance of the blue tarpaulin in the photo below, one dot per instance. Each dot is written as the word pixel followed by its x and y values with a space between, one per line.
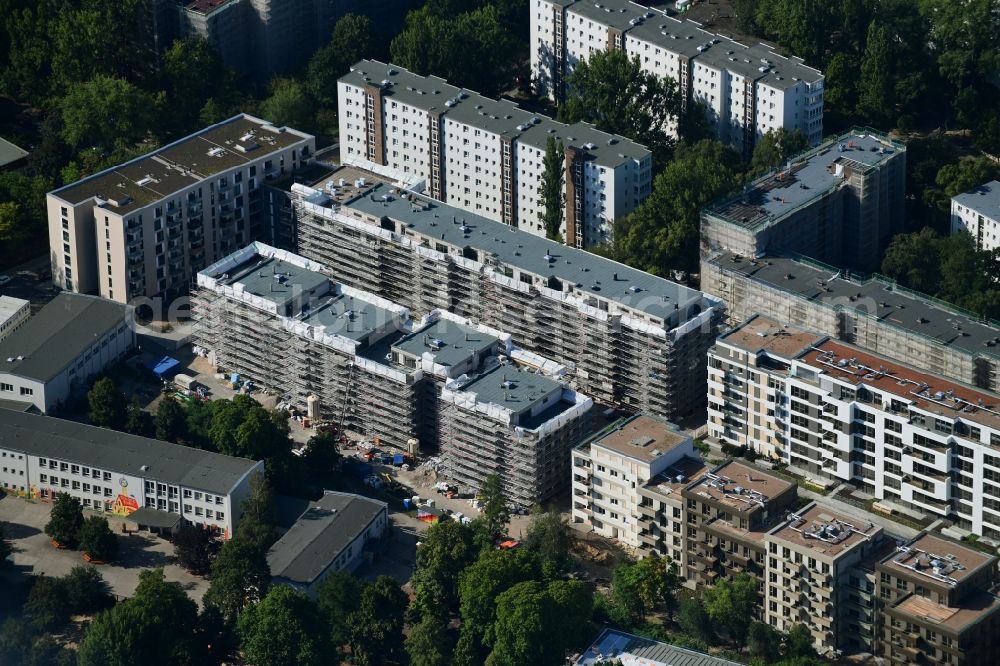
pixel 165 365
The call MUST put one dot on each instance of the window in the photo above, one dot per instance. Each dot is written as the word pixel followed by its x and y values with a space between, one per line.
pixel 8 387
pixel 27 391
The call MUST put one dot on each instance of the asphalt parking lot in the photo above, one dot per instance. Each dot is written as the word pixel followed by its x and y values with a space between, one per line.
pixel 24 522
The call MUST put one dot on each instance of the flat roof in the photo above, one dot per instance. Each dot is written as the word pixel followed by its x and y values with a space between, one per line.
pixel 973 609
pixel 825 531
pixel 319 536
pixel 448 342
pixel 275 280
pixel 502 117
pixel 9 306
pixel 811 176
pixel 587 272
pixel 206 6
pixel 675 35
pixel 931 393
pixel 762 334
pixel 615 13
pixel 58 334
pixel 877 298
pixel 643 437
pixel 984 199
pixel 517 389
pixel 156 175
pixel 612 644
pixel 10 153
pixel 739 486
pixel 682 473
pixel 351 317
pixel 121 453
pixel 954 561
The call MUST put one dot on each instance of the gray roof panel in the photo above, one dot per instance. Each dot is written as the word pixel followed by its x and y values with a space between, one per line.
pixel 984 199
pixel 614 644
pixel 121 453
pixel 59 334
pixel 457 342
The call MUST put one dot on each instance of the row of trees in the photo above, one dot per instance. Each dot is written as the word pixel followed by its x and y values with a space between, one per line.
pixel 69 529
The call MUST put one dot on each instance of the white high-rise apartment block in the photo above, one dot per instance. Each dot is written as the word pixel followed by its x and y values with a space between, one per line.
pixel 747 90
pixel 978 212
pixel 917 442
pixel 486 156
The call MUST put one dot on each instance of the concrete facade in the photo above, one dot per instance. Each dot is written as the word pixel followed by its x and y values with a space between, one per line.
pixel 13 313
pixel 978 213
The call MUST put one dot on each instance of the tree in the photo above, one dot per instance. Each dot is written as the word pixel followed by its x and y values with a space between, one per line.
pixel 553 195
pixel 6 548
pixel 96 539
pixel 47 652
pixel 86 590
pixel 107 404
pixel 193 73
pixel 321 452
pixel 799 642
pixel 642 588
pixel 913 260
pixel 240 578
pixel 195 548
pixel 289 104
pixel 107 112
pixel 775 148
pixel 617 95
pixel 495 512
pixel 662 234
pixel 535 624
pixel 46 604
pixel 429 642
pixel 256 526
pixel 284 629
pixel 694 620
pixel 158 626
pixel 170 421
pixel 731 604
pixel 965 175
pixel 549 535
pixel 15 641
pixel 137 420
pixel 353 38
pixel 764 641
pixel 65 520
pixel 875 88
pixel 337 597
pixel 376 627
pixel 445 550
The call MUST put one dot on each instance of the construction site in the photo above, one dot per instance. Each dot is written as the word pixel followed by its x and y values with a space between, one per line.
pixel 646 337
pixel 517 423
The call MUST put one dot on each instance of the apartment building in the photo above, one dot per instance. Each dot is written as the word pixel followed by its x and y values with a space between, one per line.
pixel 628 338
pixel 13 313
pixel 280 321
pixel 486 156
pixel 745 90
pixel 936 597
pixel 874 314
pixel 120 474
pixel 918 443
pixel 978 213
pixel 146 227
pixel 514 422
pixel 839 203
pixel 820 574
pixel 613 463
pixel 57 351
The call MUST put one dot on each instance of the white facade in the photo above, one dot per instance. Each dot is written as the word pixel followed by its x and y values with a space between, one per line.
pixel 13 313
pixel 978 213
pixel 486 156
pixel 916 442
pixel 747 90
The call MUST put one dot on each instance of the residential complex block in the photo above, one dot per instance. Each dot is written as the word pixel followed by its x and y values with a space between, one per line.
pixel 839 203
pixel 916 442
pixel 121 474
pixel 515 423
pixel 486 156
pixel 875 314
pixel 978 213
pixel 61 348
pixel 13 313
pixel 746 91
pixel 146 227
pixel 627 338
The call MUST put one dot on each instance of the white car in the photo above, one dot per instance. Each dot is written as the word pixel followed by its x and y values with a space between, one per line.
pixel 4 279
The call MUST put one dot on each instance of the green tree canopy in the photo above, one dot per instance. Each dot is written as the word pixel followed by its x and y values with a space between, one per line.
pixel 193 73
pixel 46 604
pixel 86 590
pixel 338 596
pixel 495 512
pixel 353 39
pixel 106 112
pixel 137 420
pixel 619 96
pixel 6 548
pixel 240 577
pixel 65 520
pixel 321 454
pixel 549 535
pixel 284 629
pixel 429 642
pixel 107 404
pixel 694 620
pixel 195 548
pixel 376 627
pixel 170 421
pixel 97 540
pixel 642 588
pixel 289 104
pixel 775 148
pixel 732 604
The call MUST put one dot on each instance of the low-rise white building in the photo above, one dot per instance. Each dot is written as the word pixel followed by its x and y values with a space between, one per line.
pixel 67 342
pixel 13 313
pixel 978 213
pixel 486 156
pixel 117 473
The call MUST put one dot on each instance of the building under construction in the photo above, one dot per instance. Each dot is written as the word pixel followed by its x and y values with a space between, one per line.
pixel 517 423
pixel 627 338
pixel 280 322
